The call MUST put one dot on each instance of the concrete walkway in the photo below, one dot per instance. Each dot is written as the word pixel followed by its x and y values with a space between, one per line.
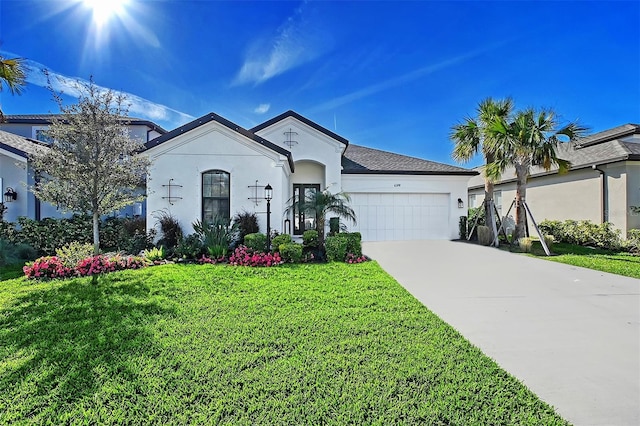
pixel 571 335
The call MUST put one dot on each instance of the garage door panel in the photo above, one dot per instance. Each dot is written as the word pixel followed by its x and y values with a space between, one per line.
pixel 401 216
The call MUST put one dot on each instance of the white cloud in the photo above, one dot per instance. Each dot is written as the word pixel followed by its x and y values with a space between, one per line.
pixel 138 107
pixel 262 108
pixel 295 43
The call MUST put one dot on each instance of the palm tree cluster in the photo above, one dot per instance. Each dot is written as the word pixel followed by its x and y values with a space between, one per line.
pixel 520 139
pixel 12 76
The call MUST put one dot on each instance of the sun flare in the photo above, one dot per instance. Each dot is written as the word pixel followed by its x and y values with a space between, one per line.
pixel 104 10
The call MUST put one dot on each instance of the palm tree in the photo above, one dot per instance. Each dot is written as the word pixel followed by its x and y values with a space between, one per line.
pixel 470 137
pixel 13 76
pixel 320 203
pixel 529 138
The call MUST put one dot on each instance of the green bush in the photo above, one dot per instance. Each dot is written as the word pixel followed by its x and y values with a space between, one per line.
pixel 632 243
pixel 72 253
pixel 47 235
pixel 462 227
pixel 354 243
pixel 256 242
pixel 310 239
pixel 290 252
pixel 189 247
pixel 549 240
pixel 170 230
pixel 281 239
pixel 336 247
pixel 583 232
pixel 216 237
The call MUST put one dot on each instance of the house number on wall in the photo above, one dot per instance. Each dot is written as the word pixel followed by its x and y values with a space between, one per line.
pixel 396 185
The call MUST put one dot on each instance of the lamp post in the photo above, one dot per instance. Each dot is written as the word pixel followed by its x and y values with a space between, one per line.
pixel 268 195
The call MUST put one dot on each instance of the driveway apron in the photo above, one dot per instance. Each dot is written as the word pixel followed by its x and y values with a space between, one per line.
pixel 570 334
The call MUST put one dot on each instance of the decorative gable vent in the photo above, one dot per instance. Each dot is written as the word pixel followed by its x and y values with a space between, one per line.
pixel 290 138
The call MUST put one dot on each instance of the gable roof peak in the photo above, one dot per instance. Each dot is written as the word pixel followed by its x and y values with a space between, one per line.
pixel 293 114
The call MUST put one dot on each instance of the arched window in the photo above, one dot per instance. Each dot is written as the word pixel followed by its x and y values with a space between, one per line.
pixel 215 195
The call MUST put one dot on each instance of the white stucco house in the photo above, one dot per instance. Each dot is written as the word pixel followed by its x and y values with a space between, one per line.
pixel 20 135
pixel 212 166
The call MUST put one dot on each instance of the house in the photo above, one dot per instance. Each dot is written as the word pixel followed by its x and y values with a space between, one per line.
pixel 213 167
pixel 603 184
pixel 21 135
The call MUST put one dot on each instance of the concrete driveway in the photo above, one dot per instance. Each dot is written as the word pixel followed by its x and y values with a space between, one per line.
pixel 572 335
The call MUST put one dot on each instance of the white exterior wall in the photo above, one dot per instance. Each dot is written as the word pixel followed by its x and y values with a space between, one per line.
pixel 215 147
pixel 454 186
pixel 313 146
pixel 13 173
pixel 633 194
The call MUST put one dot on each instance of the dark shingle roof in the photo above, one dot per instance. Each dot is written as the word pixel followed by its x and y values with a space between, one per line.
pixel 48 118
pixel 18 145
pixel 362 160
pixel 303 120
pixel 215 117
pixel 610 134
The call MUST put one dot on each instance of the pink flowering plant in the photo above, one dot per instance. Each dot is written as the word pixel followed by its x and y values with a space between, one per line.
pixel 47 268
pixel 243 256
pixel 52 267
pixel 352 258
pixel 211 260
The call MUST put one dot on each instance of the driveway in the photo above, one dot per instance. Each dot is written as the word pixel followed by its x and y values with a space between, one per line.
pixel 572 335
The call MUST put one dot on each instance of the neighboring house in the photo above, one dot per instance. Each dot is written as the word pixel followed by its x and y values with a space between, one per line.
pixel 213 167
pixel 20 135
pixel 603 184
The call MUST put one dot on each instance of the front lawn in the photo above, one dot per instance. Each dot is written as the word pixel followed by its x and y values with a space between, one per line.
pixel 601 260
pixel 215 344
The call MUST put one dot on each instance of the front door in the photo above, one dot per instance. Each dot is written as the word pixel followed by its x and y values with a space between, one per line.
pixel 302 222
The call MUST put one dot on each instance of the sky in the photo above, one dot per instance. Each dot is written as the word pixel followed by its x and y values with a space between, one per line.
pixel 391 75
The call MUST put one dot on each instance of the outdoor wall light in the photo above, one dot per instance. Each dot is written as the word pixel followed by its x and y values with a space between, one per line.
pixel 268 195
pixel 460 203
pixel 10 196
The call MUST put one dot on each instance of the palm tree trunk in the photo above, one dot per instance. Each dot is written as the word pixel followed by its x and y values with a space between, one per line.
pixel 521 197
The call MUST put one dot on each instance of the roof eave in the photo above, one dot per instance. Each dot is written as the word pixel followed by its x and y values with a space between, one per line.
pixel 410 172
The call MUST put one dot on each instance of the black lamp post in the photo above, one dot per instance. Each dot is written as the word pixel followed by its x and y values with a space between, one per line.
pixel 10 195
pixel 268 195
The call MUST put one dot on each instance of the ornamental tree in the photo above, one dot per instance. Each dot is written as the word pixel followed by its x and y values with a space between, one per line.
pixel 93 166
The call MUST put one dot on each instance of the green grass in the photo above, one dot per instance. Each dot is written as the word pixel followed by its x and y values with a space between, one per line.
pixel 601 260
pixel 8 272
pixel 213 344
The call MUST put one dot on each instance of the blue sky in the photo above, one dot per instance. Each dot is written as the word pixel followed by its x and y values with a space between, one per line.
pixel 389 75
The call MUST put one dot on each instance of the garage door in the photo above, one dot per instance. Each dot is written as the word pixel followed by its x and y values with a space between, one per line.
pixel 384 217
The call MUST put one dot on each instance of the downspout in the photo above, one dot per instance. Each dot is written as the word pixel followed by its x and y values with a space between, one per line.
pixel 604 217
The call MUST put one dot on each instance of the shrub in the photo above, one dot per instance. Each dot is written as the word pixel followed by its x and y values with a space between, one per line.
pixel 354 243
pixel 462 227
pixel 281 239
pixel 7 253
pixel 47 268
pixel 189 247
pixel 170 230
pixel 584 233
pixel 72 253
pixel 632 243
pixel 256 242
pixel 336 247
pixel 244 256
pixel 247 223
pixel 525 244
pixel 216 237
pixel 95 265
pixel 290 252
pixel 549 240
pixel 310 239
pixel 155 254
pixel 484 235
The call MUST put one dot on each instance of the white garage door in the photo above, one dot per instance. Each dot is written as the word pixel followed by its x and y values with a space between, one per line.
pixel 384 217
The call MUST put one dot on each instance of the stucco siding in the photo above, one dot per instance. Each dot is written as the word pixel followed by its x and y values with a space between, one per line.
pixel 186 157
pixel 633 194
pixel 616 188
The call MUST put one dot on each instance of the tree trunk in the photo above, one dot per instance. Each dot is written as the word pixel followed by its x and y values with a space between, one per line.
pixel 489 212
pixel 96 233
pixel 521 197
